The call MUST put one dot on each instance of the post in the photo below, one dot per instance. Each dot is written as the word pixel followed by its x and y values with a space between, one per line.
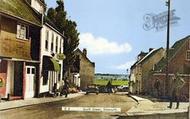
pixel 167 51
pixel 189 95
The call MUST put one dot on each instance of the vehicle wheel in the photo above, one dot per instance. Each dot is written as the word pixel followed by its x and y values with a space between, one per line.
pixel 96 93
pixel 86 93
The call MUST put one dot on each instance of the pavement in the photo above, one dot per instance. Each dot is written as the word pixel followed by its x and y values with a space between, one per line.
pixel 146 106
pixel 5 105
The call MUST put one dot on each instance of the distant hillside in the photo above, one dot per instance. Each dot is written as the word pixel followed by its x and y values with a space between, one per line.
pixel 99 76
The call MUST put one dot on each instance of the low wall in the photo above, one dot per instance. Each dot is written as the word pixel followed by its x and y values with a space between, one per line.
pixel 183 115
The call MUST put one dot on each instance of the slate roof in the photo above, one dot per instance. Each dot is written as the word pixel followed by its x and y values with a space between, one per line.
pixel 20 9
pixel 145 58
pixel 172 52
pixel 78 50
pixel 149 55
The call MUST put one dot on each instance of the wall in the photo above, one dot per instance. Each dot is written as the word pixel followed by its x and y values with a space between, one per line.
pixel 184 93
pixel 87 71
pixel 37 5
pixel 182 115
pixel 10 46
pixel 147 66
pixel 48 52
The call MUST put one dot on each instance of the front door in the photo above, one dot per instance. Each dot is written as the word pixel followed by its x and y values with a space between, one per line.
pixel 30 81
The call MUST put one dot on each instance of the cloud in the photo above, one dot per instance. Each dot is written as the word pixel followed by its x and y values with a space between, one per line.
pixel 126 65
pixel 100 45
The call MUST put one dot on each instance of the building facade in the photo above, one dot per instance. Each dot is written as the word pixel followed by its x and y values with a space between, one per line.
pixel 51 66
pixel 51 52
pixel 19 33
pixel 140 71
pixel 179 62
pixel 84 68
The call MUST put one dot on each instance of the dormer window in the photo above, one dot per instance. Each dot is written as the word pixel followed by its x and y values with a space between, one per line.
pixel 38 5
pixel 21 31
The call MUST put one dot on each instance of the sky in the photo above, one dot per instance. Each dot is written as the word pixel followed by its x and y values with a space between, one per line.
pixel 113 33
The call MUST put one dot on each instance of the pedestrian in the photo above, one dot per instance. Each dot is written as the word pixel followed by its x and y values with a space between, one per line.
pixel 109 87
pixel 66 87
pixel 177 84
pixel 157 87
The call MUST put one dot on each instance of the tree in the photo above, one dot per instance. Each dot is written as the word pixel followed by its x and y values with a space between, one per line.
pixel 51 13
pixel 69 27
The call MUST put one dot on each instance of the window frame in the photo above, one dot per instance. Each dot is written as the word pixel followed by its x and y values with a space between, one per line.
pixel 188 55
pixel 19 31
pixel 52 42
pixel 47 40
pixel 56 44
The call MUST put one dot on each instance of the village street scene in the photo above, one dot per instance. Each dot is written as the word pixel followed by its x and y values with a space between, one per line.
pixel 98 59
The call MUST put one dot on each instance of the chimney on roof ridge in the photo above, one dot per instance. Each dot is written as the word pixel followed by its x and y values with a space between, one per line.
pixel 150 49
pixel 85 51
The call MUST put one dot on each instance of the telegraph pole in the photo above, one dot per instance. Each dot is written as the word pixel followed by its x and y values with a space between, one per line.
pixel 167 49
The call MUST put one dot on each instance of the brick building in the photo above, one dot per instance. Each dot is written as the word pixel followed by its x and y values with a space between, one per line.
pixel 179 62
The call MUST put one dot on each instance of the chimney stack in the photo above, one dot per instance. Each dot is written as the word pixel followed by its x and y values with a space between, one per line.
pixel 150 49
pixel 85 51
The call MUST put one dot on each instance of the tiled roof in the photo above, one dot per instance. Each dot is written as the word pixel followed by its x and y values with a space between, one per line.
pixel 19 9
pixel 145 58
pixel 172 52
pixel 150 54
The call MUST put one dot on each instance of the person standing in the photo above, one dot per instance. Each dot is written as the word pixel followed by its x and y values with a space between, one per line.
pixel 109 87
pixel 177 84
pixel 157 87
pixel 66 87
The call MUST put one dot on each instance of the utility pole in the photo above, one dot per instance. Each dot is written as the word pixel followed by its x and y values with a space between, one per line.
pixel 167 50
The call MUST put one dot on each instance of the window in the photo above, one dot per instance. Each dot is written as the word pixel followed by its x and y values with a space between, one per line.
pixel 28 70
pixel 56 47
pixel 47 39
pixel 21 31
pixel 60 47
pixel 33 70
pixel 52 40
pixel 188 55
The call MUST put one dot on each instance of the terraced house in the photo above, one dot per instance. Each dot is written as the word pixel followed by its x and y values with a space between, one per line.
pixel 20 29
pixel 179 62
pixel 83 69
pixel 140 71
pixel 51 52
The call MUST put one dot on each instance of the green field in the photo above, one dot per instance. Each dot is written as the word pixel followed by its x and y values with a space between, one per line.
pixel 114 82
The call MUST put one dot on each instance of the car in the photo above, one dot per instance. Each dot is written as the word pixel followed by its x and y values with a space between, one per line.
pixel 123 88
pixel 92 89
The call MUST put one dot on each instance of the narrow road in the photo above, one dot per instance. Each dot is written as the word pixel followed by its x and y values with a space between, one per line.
pixel 53 110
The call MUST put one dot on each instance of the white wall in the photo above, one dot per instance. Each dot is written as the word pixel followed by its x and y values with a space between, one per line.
pixel 48 52
pixel 36 4
pixel 10 78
